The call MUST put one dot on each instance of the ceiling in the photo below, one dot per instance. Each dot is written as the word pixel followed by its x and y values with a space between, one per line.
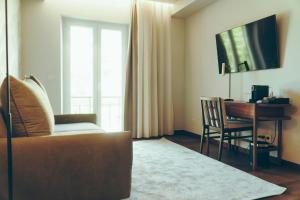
pixel 166 1
pixel 185 8
pixel 182 8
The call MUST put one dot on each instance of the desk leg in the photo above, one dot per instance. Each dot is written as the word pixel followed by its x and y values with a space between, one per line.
pixel 254 149
pixel 279 132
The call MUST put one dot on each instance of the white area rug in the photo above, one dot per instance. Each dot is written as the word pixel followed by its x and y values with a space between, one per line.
pixel 165 170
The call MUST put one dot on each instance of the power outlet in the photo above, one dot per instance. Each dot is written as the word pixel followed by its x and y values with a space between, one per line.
pixel 261 137
pixel 268 138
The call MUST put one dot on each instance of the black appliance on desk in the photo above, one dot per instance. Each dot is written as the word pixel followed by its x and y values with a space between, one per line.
pixel 258 92
pixel 263 153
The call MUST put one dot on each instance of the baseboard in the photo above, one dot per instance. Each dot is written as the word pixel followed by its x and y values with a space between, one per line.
pixel 240 149
pixel 290 164
pixel 213 141
pixel 183 132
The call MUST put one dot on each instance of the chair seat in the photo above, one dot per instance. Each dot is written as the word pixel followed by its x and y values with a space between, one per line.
pixel 238 120
pixel 238 126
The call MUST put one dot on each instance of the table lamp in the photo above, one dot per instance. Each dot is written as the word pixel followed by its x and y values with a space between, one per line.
pixel 229 81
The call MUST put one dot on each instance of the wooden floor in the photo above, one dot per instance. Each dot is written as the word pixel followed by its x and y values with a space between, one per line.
pixel 285 175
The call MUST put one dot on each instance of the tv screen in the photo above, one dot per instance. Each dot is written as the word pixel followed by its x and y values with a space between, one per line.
pixel 250 47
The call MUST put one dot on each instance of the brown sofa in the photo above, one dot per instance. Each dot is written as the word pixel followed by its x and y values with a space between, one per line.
pixel 77 162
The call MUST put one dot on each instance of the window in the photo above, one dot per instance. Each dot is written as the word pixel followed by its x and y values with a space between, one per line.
pixel 93 70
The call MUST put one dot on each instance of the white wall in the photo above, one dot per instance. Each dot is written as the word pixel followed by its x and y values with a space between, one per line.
pixel 178 72
pixel 13 41
pixel 41 35
pixel 41 56
pixel 201 69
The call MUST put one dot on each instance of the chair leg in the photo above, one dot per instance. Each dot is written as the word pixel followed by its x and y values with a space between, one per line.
pixel 229 141
pixel 221 145
pixel 235 143
pixel 202 138
pixel 207 142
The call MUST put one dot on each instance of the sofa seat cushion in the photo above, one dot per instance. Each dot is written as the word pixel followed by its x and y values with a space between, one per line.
pixel 76 127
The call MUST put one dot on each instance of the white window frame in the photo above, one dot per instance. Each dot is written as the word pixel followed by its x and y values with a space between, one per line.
pixel 97 26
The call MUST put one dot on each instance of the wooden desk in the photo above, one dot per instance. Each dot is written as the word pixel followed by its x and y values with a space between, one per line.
pixel 259 112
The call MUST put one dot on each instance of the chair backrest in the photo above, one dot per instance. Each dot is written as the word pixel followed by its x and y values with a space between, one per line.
pixel 213 112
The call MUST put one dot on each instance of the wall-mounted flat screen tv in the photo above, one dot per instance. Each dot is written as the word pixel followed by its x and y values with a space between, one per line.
pixel 250 47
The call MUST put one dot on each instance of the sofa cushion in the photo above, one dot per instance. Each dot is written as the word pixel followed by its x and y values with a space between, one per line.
pixel 31 111
pixel 3 129
pixel 37 81
pixel 84 126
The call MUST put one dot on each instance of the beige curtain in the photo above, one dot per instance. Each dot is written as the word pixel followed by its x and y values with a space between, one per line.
pixel 148 94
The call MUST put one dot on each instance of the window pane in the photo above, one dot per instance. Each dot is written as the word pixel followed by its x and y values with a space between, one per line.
pixel 111 79
pixel 81 69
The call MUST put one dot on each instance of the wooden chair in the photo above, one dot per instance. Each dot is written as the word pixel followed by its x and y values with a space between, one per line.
pixel 214 118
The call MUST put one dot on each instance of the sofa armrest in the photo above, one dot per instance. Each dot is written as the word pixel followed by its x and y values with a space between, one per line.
pixel 87 166
pixel 75 118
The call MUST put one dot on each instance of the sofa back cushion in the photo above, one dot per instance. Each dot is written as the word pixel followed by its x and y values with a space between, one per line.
pixel 37 81
pixel 31 111
pixel 3 130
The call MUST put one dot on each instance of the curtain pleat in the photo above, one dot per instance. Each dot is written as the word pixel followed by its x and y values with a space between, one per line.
pixel 148 94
